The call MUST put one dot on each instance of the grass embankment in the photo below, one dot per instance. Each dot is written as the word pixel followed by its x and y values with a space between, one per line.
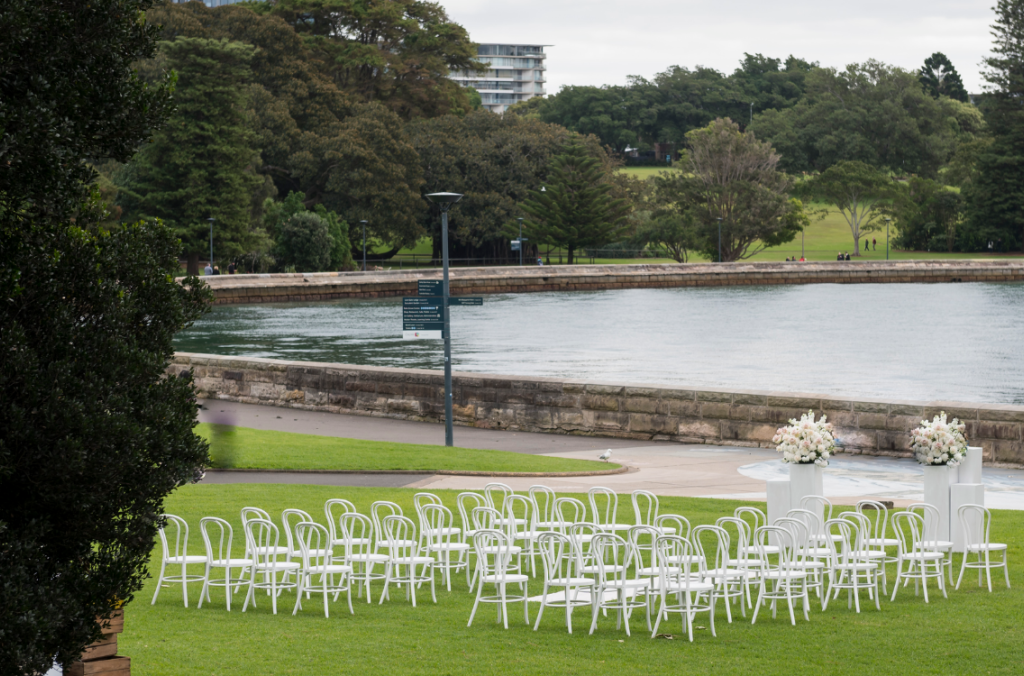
pixel 245 448
pixel 970 632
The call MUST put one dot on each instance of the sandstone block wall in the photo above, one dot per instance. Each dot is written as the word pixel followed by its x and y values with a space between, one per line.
pixel 643 412
pixel 234 289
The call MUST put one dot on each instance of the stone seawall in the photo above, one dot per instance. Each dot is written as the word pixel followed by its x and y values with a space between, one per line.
pixel 233 289
pixel 645 412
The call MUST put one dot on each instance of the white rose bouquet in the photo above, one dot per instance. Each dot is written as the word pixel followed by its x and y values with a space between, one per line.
pixel 939 442
pixel 805 441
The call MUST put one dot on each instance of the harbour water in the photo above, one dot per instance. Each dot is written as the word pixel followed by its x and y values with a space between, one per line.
pixel 921 342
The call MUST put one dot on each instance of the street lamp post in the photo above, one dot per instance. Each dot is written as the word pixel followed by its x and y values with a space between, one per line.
pixel 719 240
pixel 445 200
pixel 887 238
pixel 211 241
pixel 364 245
pixel 751 112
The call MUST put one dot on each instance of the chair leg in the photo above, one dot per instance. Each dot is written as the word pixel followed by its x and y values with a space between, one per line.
pixel 184 584
pixel 504 604
pixel 159 581
pixel 760 599
pixel 1006 567
pixel 479 592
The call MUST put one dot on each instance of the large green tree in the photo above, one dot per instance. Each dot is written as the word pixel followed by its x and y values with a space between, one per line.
pixel 203 164
pixel 575 208
pixel 495 161
pixel 857 190
pixel 995 197
pixel 731 180
pixel 94 435
pixel 397 52
pixel 871 113
pixel 939 78
pixel 352 157
pixel 928 217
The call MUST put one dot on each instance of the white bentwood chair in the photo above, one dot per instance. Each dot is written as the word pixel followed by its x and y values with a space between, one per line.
pixel 316 559
pixel 264 540
pixel 976 521
pixel 219 556
pixel 179 556
pixel 910 531
pixel 562 564
pixel 494 552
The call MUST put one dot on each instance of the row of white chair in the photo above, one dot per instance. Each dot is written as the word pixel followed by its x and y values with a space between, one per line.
pixel 348 549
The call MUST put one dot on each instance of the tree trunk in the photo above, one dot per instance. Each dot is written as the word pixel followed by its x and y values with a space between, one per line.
pixel 192 267
pixel 569 256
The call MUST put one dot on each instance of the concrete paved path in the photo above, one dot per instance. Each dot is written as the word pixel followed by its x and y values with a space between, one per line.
pixel 664 468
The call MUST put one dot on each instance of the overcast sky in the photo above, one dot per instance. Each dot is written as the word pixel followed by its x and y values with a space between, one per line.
pixel 602 41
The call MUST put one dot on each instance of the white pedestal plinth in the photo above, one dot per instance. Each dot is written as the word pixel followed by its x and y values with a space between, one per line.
pixel 937 481
pixel 964 494
pixel 779 499
pixel 804 480
pixel 970 468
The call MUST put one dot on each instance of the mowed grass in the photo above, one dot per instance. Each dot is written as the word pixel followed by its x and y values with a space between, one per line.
pixel 245 448
pixel 970 632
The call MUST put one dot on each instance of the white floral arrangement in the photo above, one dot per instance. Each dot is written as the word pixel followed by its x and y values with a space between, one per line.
pixel 806 440
pixel 939 442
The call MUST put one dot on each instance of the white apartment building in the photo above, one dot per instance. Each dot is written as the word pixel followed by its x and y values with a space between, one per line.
pixel 516 73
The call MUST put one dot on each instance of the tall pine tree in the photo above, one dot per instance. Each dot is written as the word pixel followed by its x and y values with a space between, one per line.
pixel 202 164
pixel 995 200
pixel 940 78
pixel 574 209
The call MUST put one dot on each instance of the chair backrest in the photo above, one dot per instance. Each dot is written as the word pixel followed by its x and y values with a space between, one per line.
pixel 495 493
pixel 786 557
pixel 314 544
pixel 333 510
pixel 359 534
pixel 400 536
pixel 466 503
pixel 930 514
pixel 878 515
pixel 642 539
pixel 421 500
pixel 612 556
pixel 486 518
pixel 909 529
pixel 254 513
pixel 380 510
pixel 863 529
pixel 645 507
pixel 752 515
pixel 744 553
pixel 976 521
pixel 677 521
pixel 820 505
pixel 289 519
pixel 180 536
pixel 519 514
pixel 843 552
pixel 713 539
pixel 799 536
pixel 219 531
pixel 604 505
pixel 493 552
pixel 263 539
pixel 569 511
pixel 558 555
pixel 543 506
pixel 437 526
pixel 677 563
pixel 814 525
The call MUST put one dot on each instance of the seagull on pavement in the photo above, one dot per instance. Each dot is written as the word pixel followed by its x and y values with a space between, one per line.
pixel 604 456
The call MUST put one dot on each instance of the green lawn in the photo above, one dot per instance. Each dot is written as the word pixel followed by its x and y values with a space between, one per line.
pixel 970 632
pixel 244 448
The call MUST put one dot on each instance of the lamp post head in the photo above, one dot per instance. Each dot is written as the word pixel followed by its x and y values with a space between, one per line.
pixel 210 219
pixel 364 222
pixel 444 199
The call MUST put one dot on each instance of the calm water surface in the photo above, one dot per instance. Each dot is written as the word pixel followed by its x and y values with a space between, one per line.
pixel 961 342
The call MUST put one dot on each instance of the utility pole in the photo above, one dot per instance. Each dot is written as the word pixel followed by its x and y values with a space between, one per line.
pixel 520 242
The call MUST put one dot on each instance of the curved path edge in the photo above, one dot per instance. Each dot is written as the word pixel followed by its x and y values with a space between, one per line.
pixel 622 469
